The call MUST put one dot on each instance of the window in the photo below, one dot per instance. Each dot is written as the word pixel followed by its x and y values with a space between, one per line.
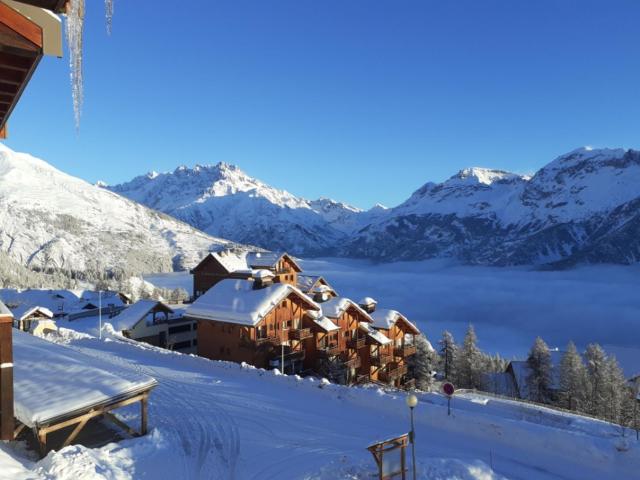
pixel 182 345
pixel 179 329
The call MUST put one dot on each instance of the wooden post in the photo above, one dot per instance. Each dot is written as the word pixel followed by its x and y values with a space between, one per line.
pixel 144 407
pixel 7 426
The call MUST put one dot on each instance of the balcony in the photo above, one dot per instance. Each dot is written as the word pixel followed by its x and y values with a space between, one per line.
pixel 289 359
pixel 300 334
pixel 409 384
pixel 381 360
pixel 356 343
pixel 354 362
pixel 393 373
pixel 361 379
pixel 329 351
pixel 405 351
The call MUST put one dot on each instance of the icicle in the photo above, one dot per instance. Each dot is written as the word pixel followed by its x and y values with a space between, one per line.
pixel 108 6
pixel 74 30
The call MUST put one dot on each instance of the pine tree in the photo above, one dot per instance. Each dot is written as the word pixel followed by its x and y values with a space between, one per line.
pixel 469 363
pixel 448 354
pixel 574 384
pixel 597 369
pixel 616 392
pixel 423 363
pixel 539 378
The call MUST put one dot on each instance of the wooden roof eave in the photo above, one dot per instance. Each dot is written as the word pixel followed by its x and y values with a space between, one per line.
pixel 56 6
pixel 20 53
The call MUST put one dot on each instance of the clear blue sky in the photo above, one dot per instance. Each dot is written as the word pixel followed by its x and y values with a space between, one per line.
pixel 359 100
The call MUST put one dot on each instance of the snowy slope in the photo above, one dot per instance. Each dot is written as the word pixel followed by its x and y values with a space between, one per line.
pixel 220 420
pixel 224 201
pixel 50 219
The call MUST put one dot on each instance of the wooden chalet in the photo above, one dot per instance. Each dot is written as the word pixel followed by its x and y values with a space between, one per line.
pixel 255 321
pixel 338 353
pixel 316 287
pixel 28 30
pixel 34 319
pixel 389 362
pixel 242 264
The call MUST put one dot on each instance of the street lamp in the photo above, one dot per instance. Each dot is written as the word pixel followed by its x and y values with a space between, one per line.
pixel 412 401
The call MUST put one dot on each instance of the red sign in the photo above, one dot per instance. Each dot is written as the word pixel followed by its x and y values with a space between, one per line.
pixel 448 389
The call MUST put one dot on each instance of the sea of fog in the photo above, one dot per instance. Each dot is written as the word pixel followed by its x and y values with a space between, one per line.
pixel 508 307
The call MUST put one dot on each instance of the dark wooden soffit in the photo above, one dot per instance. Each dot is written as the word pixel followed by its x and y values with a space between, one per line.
pixel 20 52
pixel 56 6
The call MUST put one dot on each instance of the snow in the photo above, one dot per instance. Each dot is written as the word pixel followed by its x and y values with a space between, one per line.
pixel 326 324
pixel 4 310
pixel 336 306
pixel 236 301
pixel 52 381
pixel 379 337
pixel 52 220
pixel 24 311
pixel 367 301
pixel 222 420
pixel 130 316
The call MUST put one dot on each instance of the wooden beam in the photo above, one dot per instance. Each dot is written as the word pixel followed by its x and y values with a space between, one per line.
pixel 7 425
pixel 72 436
pixel 15 62
pixel 144 407
pixel 21 24
pixel 112 418
pixel 15 77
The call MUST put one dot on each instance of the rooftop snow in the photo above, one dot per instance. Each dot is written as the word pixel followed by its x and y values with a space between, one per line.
pixel 53 381
pixel 376 335
pixel 4 310
pixel 130 316
pixel 385 318
pixel 23 312
pixel 236 301
pixel 336 306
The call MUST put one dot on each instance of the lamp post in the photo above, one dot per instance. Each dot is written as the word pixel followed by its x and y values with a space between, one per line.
pixel 100 311
pixel 412 401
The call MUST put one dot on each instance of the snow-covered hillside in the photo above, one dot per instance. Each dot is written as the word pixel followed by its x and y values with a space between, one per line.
pixel 49 219
pixel 221 420
pixel 582 207
pixel 224 201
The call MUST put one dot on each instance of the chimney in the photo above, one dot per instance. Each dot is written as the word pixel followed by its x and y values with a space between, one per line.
pixel 368 304
pixel 262 279
pixel 321 293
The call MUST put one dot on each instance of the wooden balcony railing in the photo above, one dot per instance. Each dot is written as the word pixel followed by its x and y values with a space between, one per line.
pixel 405 351
pixel 393 373
pixel 356 343
pixel 381 360
pixel 354 362
pixel 330 351
pixel 360 379
pixel 300 333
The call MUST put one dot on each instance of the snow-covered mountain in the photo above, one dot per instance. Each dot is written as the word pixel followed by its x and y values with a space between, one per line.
pixel 49 219
pixel 224 201
pixel 582 207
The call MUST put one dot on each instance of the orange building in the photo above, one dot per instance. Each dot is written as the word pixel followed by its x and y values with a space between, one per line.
pixel 242 264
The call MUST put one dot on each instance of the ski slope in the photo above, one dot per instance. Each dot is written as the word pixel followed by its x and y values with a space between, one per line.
pixel 221 420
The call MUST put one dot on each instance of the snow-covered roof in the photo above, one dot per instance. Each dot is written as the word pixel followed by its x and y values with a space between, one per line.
pixel 236 301
pixel 310 284
pixel 262 274
pixel 58 301
pixel 23 312
pixel 386 318
pixel 52 381
pixel 325 323
pixel 131 315
pixel 367 301
pixel 336 306
pixel 232 260
pixel 4 311
pixel 379 337
pixel 521 371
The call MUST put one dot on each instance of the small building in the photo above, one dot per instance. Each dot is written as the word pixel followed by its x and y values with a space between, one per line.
pixel 390 361
pixel 158 324
pixel 252 321
pixel 242 264
pixel 35 320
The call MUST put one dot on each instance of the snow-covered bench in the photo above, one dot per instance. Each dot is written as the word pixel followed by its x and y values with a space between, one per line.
pixel 57 387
